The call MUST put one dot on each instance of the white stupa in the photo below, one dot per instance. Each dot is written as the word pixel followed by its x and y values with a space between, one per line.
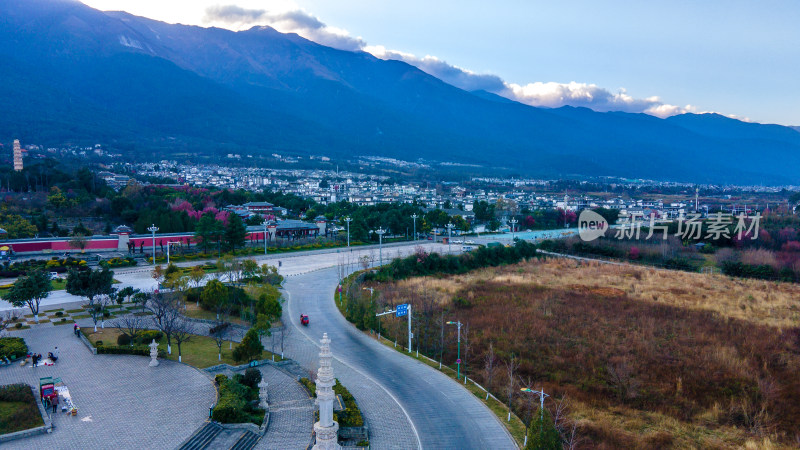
pixel 326 429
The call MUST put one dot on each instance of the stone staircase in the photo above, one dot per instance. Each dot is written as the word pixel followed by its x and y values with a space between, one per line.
pixel 247 441
pixel 202 437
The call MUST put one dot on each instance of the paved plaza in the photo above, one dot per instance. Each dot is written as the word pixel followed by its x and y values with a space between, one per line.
pixel 122 403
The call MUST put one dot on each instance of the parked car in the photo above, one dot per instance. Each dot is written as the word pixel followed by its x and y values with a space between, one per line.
pixel 466 248
pixel 54 276
pixel 469 242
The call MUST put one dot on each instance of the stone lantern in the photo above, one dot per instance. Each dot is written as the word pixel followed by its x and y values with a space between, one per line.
pixel 153 353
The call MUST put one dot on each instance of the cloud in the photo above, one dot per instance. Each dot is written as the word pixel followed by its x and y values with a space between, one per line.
pixel 291 21
pixel 540 94
pixel 457 76
pixel 554 95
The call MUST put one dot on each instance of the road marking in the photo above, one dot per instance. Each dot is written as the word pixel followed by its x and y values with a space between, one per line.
pixel 411 422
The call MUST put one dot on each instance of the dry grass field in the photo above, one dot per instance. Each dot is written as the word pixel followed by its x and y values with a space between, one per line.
pixel 645 358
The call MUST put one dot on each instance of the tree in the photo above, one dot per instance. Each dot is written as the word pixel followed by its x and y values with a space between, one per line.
pixel 125 294
pixel 250 348
pixel 130 325
pixel 183 331
pixel 218 332
pixel 542 434
pixel 206 231
pixel 213 295
pixel 16 226
pixel 78 242
pixel 490 362
pixel 235 232
pixel 511 366
pixel 95 286
pixel 165 307
pixel 158 272
pixel 30 290
pixel 141 299
pixel 196 275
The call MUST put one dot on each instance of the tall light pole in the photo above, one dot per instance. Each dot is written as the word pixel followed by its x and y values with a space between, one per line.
pixel 513 222
pixel 541 395
pixel 458 361
pixel 449 235
pixel 153 230
pixel 414 218
pixel 265 235
pixel 380 232
pixel 348 220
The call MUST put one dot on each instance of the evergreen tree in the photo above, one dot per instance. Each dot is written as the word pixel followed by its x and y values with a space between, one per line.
pixel 235 232
pixel 250 348
pixel 542 433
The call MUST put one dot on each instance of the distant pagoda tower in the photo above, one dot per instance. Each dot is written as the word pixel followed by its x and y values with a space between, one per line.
pixel 17 156
pixel 326 429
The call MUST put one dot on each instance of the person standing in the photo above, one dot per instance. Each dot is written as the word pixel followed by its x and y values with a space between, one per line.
pixel 57 353
pixel 75 328
pixel 54 402
pixel 34 358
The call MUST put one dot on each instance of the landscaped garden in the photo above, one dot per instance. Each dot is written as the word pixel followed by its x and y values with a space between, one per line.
pixel 238 398
pixel 18 409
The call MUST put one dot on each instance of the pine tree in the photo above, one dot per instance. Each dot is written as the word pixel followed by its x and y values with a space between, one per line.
pixel 235 232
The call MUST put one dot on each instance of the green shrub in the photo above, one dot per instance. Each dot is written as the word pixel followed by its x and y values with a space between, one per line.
pixel 123 339
pixel 147 336
pixel 98 343
pixel 220 378
pixel 135 350
pixel 232 406
pixel 18 325
pixel 251 378
pixel 13 347
pixel 59 313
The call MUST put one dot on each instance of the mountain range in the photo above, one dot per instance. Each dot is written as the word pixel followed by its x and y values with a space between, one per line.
pixel 70 73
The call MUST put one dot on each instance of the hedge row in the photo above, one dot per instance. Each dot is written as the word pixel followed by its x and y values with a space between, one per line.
pixel 13 347
pixel 126 350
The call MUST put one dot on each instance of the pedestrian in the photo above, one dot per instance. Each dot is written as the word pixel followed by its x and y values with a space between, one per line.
pixel 279 263
pixel 54 402
pixel 34 358
pixel 75 328
pixel 57 353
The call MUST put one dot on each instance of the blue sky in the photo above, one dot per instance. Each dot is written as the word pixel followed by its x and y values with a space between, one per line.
pixel 739 58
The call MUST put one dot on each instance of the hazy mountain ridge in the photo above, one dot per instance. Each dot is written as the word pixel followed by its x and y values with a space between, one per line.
pixel 149 85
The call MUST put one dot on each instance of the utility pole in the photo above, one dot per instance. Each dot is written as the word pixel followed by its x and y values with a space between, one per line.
pixel 153 230
pixel 265 236
pixel 348 220
pixel 380 232
pixel 458 361
pixel 414 218
pixel 449 236
pixel 513 222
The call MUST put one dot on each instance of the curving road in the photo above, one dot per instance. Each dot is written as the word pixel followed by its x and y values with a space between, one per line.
pixel 406 403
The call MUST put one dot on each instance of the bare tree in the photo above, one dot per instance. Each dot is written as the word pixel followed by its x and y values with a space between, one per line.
pixel 283 333
pixel 511 366
pixel 218 332
pixel 165 307
pixel 96 306
pixel 130 325
pixel 365 261
pixel 490 362
pixel 183 331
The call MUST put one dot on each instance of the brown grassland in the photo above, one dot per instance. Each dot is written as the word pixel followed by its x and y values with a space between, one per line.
pixel 644 358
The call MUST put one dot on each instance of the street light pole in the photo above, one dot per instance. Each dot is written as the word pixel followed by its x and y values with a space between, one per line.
pixel 348 220
pixel 380 232
pixel 414 218
pixel 458 361
pixel 153 230
pixel 449 236
pixel 513 222
pixel 265 236
pixel 541 395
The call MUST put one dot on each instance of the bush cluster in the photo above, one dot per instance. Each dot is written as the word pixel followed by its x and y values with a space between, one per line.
pixel 235 404
pixel 135 350
pixel 147 336
pixel 13 347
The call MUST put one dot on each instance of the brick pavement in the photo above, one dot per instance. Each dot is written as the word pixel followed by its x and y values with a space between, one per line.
pixel 122 403
pixel 291 412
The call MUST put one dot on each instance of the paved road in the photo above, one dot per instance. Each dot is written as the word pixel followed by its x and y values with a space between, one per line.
pixel 435 412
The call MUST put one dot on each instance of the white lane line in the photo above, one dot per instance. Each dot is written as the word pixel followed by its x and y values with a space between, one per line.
pixel 316 344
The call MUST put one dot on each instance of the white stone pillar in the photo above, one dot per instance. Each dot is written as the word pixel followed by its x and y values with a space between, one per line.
pixel 326 429
pixel 262 393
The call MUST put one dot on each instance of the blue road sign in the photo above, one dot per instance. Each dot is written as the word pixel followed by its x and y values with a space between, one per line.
pixel 402 310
